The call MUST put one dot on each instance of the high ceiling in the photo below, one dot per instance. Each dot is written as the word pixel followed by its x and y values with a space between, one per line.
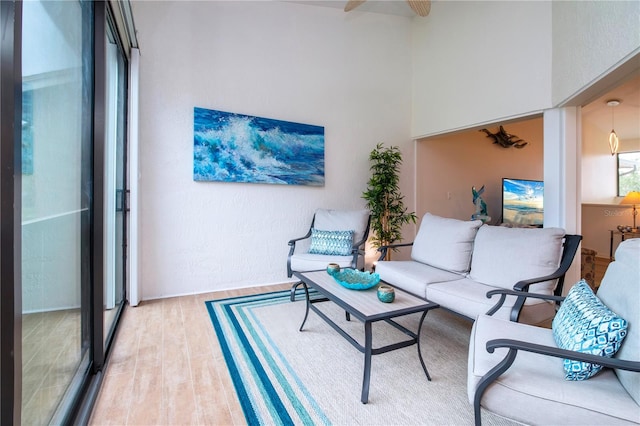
pixel 596 112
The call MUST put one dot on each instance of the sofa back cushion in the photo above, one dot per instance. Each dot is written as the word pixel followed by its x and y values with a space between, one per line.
pixel 620 291
pixel 342 220
pixel 503 256
pixel 445 243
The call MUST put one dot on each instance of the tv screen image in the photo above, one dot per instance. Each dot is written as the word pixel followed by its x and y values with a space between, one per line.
pixel 522 202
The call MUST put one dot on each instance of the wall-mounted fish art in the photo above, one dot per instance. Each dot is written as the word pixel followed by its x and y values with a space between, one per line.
pixel 504 139
pixel 230 147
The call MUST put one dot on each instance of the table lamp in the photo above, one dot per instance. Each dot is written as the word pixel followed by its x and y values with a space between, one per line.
pixel 633 197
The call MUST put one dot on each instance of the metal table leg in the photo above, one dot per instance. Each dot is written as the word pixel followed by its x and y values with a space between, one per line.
pixel 367 362
pixel 308 304
pixel 424 367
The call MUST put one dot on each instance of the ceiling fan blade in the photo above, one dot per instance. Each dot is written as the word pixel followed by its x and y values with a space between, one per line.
pixel 420 7
pixel 352 4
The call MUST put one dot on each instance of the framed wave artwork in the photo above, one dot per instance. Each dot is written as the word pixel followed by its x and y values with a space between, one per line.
pixel 229 147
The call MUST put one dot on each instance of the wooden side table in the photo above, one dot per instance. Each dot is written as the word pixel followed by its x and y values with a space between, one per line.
pixel 623 236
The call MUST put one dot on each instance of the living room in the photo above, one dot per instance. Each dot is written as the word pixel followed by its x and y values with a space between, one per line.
pixel 366 78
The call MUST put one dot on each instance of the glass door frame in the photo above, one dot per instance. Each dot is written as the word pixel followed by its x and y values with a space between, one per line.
pixel 10 211
pixel 79 405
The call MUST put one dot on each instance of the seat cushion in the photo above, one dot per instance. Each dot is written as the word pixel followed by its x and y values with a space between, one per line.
pixel 534 386
pixel 620 291
pixel 412 276
pixel 445 243
pixel 467 298
pixel 585 324
pixel 503 256
pixel 342 220
pixel 314 262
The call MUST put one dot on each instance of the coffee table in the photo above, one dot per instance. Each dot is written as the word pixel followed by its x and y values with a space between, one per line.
pixel 365 306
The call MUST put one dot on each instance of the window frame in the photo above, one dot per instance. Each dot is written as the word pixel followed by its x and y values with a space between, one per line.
pixel 618 175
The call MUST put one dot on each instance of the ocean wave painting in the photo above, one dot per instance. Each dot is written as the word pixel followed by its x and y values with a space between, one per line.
pixel 231 147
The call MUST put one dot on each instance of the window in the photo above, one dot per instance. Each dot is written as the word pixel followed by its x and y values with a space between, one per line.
pixel 628 172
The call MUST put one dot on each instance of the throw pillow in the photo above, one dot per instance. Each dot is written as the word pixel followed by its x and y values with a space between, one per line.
pixel 333 243
pixel 584 324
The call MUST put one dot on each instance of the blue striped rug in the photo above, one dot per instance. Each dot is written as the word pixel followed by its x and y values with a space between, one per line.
pixel 271 393
pixel 286 377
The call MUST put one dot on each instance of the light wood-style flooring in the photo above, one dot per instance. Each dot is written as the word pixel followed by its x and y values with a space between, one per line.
pixel 167 367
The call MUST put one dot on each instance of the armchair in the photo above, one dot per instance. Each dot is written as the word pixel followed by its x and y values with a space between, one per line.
pixel 303 251
pixel 516 370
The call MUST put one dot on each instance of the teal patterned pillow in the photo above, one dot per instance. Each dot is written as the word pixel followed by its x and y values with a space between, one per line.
pixel 334 243
pixel 584 324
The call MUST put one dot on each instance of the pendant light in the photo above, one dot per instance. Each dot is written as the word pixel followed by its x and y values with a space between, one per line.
pixel 613 137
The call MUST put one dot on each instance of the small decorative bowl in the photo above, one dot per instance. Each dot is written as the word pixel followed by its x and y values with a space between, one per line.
pixel 356 280
pixel 333 268
pixel 386 294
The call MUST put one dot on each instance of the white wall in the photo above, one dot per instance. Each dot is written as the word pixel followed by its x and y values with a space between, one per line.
pixel 347 72
pixel 590 39
pixel 479 62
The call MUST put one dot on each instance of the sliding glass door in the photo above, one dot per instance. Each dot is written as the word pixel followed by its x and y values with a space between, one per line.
pixel 57 102
pixel 63 205
pixel 115 179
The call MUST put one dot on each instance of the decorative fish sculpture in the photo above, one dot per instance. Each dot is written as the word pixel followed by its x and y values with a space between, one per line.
pixel 504 139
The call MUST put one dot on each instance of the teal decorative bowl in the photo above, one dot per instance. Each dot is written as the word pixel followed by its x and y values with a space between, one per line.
pixel 356 280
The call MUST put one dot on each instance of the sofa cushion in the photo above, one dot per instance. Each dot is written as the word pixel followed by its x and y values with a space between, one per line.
pixel 343 220
pixel 315 262
pixel 535 381
pixel 467 298
pixel 445 243
pixel 503 256
pixel 620 291
pixel 584 324
pixel 334 243
pixel 413 276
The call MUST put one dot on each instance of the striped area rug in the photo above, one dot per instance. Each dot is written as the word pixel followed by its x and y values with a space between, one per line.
pixel 284 376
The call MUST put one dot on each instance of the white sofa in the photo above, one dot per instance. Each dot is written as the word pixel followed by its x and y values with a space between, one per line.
pixel 529 386
pixel 456 263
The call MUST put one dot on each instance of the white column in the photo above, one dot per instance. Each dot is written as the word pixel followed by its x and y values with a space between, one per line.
pixel 562 160
pixel 134 270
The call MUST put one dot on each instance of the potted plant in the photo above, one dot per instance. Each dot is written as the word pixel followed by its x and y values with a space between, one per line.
pixel 383 197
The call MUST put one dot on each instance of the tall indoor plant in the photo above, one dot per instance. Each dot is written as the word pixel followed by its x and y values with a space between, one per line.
pixel 383 196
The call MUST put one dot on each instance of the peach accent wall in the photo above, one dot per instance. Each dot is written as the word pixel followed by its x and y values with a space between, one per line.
pixel 447 167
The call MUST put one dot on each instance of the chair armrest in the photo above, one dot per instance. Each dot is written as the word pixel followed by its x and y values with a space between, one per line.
pixel 523 288
pixel 293 241
pixel 292 249
pixel 524 284
pixel 524 294
pixel 622 364
pixel 515 345
pixel 383 249
pixel 569 249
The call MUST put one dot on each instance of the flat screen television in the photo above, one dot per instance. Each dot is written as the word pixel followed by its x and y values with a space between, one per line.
pixel 522 202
